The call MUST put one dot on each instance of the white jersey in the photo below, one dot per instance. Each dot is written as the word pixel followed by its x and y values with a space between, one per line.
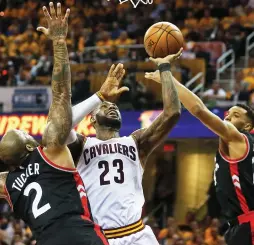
pixel 112 173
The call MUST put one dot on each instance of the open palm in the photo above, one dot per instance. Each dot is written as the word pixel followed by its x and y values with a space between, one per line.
pixel 57 25
pixel 110 89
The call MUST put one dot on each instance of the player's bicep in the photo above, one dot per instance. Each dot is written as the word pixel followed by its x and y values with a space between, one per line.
pixel 148 139
pixel 223 129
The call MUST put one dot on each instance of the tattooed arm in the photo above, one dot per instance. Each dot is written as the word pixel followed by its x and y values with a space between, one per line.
pixel 60 113
pixel 148 139
pixel 60 116
pixel 224 129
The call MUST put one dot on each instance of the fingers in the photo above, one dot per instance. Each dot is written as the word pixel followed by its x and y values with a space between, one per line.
pixel 46 14
pixel 152 59
pixel 52 10
pixel 121 76
pixel 148 75
pixel 122 89
pixel 42 29
pixel 111 70
pixel 59 11
pixel 178 55
pixel 118 69
pixel 67 15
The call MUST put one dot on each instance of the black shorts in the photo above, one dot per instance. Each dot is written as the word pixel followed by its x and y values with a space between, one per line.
pixel 240 234
pixel 73 231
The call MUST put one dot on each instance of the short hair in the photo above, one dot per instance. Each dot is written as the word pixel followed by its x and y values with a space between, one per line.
pixel 250 112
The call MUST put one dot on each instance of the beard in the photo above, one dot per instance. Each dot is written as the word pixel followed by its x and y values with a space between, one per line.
pixel 108 122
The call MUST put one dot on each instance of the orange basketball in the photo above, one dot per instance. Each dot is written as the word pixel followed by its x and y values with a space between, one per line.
pixel 162 39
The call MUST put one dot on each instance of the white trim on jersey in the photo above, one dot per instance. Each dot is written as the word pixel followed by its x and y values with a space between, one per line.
pixel 232 161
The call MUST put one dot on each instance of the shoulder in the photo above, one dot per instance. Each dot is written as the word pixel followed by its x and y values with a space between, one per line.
pixel 136 134
pixel 233 134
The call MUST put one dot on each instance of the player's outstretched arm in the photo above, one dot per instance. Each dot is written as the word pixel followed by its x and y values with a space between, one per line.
pixel 148 139
pixel 196 107
pixel 109 91
pixel 60 114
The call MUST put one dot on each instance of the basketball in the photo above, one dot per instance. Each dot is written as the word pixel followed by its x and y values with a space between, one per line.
pixel 162 39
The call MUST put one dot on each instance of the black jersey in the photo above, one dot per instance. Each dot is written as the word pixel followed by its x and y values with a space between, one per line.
pixel 42 193
pixel 234 182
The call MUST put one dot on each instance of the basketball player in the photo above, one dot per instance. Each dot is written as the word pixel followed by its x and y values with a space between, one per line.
pixel 42 185
pixel 234 171
pixel 112 166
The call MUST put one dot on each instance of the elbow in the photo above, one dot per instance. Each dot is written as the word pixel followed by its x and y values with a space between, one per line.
pixel 176 115
pixel 173 116
pixel 198 109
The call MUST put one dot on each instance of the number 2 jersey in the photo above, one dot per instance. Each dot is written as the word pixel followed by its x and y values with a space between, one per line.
pixel 234 182
pixel 42 194
pixel 112 173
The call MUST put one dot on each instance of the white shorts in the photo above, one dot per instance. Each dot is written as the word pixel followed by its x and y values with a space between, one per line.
pixel 144 237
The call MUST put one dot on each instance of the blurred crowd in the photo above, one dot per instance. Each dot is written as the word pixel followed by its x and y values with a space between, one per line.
pixel 190 233
pixel 26 54
pixel 14 231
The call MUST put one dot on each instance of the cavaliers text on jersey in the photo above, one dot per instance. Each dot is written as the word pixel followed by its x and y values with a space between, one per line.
pixel 112 172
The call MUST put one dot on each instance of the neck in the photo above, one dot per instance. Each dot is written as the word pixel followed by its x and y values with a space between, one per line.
pixel 12 167
pixel 106 133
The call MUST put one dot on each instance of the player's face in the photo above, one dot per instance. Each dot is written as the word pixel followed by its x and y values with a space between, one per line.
pixel 108 115
pixel 238 117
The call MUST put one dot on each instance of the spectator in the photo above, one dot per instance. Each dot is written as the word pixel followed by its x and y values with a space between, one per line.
pixel 123 40
pixel 104 40
pixel 214 238
pixel 30 46
pixel 116 31
pixel 23 77
pixel 11 81
pixel 190 21
pixel 214 93
pixel 207 22
pixel 213 226
pixel 239 94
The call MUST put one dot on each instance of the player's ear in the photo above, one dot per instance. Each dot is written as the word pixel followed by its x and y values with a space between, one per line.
pixel 248 127
pixel 92 120
pixel 29 147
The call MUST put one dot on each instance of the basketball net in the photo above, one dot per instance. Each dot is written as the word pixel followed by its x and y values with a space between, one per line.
pixel 135 3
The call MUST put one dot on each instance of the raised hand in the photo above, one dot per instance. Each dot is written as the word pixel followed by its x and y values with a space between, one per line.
pixel 110 89
pixel 57 25
pixel 155 76
pixel 168 59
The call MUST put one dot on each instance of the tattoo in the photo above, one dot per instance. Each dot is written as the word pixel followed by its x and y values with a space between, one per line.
pixel 148 139
pixel 3 177
pixel 60 113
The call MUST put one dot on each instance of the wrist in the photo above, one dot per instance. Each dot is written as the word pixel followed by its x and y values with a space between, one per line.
pixel 59 41
pixel 164 66
pixel 101 96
